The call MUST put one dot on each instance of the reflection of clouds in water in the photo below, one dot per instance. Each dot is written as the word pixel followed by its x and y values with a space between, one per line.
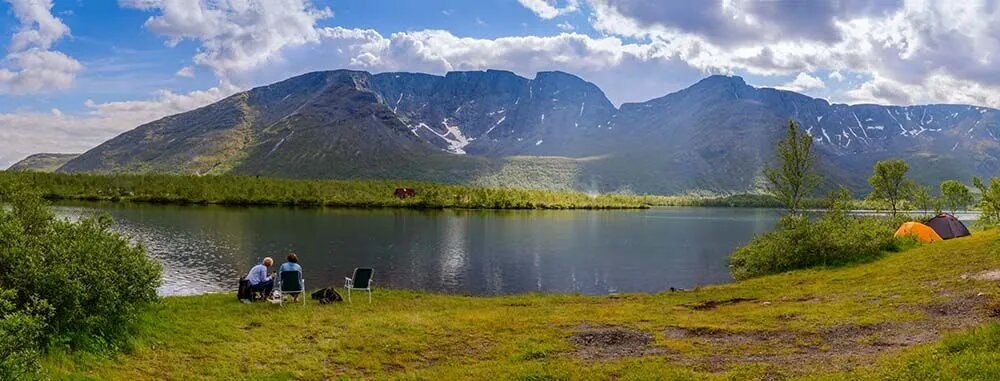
pixel 190 262
pixel 536 266
pixel 453 251
pixel 190 259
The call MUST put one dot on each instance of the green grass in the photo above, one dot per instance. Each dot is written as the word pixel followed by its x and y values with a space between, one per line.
pixel 245 190
pixel 871 321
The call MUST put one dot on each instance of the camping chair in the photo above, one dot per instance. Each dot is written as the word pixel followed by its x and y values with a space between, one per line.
pixel 362 280
pixel 291 282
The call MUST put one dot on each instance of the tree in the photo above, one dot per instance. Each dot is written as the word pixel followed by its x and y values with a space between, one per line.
pixel 922 198
pixel 889 183
pixel 990 202
pixel 956 195
pixel 794 177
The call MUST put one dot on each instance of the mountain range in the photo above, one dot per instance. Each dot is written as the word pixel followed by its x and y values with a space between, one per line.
pixel 495 128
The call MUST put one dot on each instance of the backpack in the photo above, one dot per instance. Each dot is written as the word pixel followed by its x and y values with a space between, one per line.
pixel 327 295
pixel 245 292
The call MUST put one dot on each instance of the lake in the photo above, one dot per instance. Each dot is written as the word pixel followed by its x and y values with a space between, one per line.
pixel 206 248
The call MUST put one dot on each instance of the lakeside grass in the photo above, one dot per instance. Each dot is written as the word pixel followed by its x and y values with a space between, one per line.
pixel 880 320
pixel 254 191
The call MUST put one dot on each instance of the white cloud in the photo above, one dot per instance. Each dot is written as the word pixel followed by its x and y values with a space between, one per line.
pixel 235 35
pixel 187 72
pixel 549 9
pixel 934 49
pixel 253 42
pixel 26 133
pixel 438 51
pixel 804 81
pixel 30 66
pixel 565 25
pixel 836 76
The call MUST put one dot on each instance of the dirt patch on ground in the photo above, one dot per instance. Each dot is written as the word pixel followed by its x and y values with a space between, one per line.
pixel 959 311
pixel 842 347
pixel 990 275
pixel 713 304
pixel 611 342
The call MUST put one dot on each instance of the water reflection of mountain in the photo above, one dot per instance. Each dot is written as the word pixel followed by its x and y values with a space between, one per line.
pixel 467 252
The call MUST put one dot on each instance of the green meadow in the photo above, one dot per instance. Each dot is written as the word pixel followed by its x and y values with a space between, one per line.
pixel 928 312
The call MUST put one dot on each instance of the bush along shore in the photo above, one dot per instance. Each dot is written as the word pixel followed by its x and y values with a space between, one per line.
pixel 65 285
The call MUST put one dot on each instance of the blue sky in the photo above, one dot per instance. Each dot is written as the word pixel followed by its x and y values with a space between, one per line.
pixel 77 72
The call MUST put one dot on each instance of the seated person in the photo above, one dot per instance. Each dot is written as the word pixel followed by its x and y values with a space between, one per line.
pixel 293 265
pixel 260 280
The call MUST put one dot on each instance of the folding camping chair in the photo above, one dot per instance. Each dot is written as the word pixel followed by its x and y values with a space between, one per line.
pixel 291 282
pixel 362 280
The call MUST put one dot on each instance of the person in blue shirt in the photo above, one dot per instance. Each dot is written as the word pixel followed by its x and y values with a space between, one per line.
pixel 260 280
pixel 293 265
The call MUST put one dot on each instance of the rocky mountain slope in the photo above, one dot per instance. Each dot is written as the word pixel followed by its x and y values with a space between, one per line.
pixel 43 162
pixel 556 130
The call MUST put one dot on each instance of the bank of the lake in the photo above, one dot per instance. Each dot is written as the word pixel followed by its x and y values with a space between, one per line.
pixel 257 191
pixel 884 319
pixel 247 191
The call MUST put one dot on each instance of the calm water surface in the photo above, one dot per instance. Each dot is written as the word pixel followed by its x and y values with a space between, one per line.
pixel 206 248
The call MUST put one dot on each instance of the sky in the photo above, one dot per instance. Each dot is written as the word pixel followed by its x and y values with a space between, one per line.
pixel 75 73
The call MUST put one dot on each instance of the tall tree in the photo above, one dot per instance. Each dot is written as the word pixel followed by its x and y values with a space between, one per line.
pixel 922 198
pixel 794 176
pixel 956 195
pixel 889 183
pixel 990 202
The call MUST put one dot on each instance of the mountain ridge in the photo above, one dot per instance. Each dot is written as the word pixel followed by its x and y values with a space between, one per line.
pixel 484 127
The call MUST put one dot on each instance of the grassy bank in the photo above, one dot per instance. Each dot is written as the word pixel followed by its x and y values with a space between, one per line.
pixel 240 190
pixel 237 190
pixel 884 319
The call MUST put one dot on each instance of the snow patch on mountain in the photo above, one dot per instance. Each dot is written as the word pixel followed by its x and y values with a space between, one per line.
pixel 502 118
pixel 280 142
pixel 453 136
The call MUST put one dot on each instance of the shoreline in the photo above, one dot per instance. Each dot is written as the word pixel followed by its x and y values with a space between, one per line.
pixel 332 205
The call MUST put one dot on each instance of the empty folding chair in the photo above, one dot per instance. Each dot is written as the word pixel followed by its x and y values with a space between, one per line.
pixel 362 280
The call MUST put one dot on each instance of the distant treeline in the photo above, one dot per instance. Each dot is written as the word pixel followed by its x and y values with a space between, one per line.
pixel 244 190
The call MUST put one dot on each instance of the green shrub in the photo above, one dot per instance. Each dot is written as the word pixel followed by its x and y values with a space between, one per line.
pixel 833 239
pixel 85 282
pixel 19 334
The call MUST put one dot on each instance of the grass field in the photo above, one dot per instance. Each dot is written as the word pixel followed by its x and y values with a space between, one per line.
pixel 245 190
pixel 926 313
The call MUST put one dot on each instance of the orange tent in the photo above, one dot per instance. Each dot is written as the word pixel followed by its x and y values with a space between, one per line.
pixel 921 232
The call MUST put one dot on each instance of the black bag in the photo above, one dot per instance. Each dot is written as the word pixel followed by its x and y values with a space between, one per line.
pixel 245 292
pixel 327 295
